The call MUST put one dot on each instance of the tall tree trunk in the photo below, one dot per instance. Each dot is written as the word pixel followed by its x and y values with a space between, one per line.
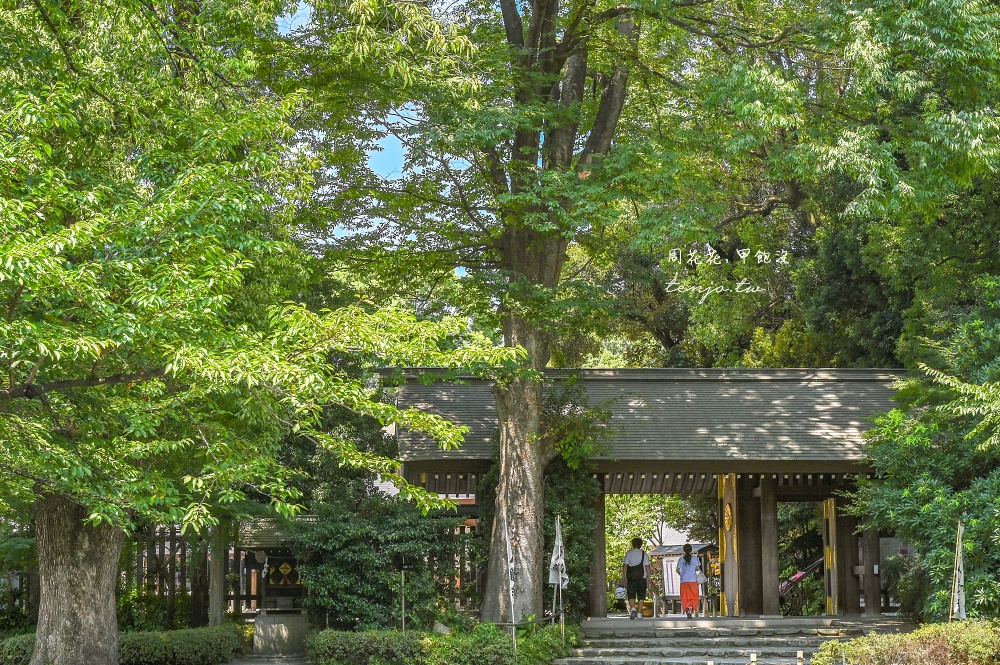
pixel 519 505
pixel 533 259
pixel 77 570
pixel 523 452
pixel 34 593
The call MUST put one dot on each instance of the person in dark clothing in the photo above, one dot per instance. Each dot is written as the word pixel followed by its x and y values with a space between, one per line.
pixel 637 572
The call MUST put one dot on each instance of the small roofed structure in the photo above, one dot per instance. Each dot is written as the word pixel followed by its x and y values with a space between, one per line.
pixel 666 557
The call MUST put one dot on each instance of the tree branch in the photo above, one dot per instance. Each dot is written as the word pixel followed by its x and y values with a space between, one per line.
pixel 34 372
pixel 65 49
pixel 14 301
pixel 30 390
pixel 766 208
pixel 512 23
pixel 571 35
pixel 561 137
pixel 612 101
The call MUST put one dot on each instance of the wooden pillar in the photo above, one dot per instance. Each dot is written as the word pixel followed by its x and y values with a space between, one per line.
pixel 149 579
pixel 769 544
pixel 749 546
pixel 729 598
pixel 871 557
pixel 598 602
pixel 830 572
pixel 171 548
pixel 183 547
pixel 217 575
pixel 161 561
pixel 237 575
pixel 847 550
pixel 198 572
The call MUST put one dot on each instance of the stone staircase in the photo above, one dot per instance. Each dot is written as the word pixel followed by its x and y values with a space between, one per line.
pixel 724 641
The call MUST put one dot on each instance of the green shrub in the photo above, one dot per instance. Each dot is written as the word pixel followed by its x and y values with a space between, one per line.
pixel 346 560
pixel 546 644
pixel 192 646
pixel 245 629
pixel 485 645
pixel 17 650
pixel 370 647
pixel 959 643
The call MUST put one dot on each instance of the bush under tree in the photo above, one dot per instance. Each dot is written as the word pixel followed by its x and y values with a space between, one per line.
pixel 193 646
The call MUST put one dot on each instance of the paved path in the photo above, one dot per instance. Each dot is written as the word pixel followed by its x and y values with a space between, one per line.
pixel 269 660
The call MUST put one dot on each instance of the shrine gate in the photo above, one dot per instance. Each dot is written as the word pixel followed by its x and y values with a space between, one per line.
pixel 751 437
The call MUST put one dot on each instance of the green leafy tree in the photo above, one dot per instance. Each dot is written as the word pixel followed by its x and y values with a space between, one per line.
pixel 599 125
pixel 628 516
pixel 826 143
pixel 347 559
pixel 937 463
pixel 347 556
pixel 150 366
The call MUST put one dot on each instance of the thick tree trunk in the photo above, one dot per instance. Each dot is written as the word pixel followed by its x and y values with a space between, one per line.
pixel 523 452
pixel 519 505
pixel 34 593
pixel 534 259
pixel 77 569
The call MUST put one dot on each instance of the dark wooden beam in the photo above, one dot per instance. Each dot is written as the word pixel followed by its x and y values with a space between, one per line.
pixel 847 555
pixel 598 600
pixel 748 542
pixel 769 544
pixel 871 558
pixel 807 492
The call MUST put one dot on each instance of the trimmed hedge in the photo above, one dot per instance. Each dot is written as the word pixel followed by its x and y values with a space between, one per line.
pixel 192 646
pixel 17 650
pixel 485 645
pixel 341 647
pixel 969 642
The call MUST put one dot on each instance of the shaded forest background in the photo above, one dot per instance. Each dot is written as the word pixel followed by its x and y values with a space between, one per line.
pixel 200 270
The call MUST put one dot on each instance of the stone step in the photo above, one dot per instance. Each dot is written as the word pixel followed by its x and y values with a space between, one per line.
pixel 689 660
pixel 730 652
pixel 653 631
pixel 714 642
pixel 728 641
pixel 726 622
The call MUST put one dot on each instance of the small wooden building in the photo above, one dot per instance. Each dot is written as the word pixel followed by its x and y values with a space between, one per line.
pixel 751 437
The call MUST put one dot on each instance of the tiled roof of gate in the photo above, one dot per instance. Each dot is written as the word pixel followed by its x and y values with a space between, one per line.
pixel 686 414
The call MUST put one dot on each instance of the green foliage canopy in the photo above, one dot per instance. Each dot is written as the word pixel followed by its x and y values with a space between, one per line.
pixel 937 462
pixel 144 196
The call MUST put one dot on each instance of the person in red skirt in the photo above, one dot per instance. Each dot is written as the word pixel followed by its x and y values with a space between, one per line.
pixel 688 567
